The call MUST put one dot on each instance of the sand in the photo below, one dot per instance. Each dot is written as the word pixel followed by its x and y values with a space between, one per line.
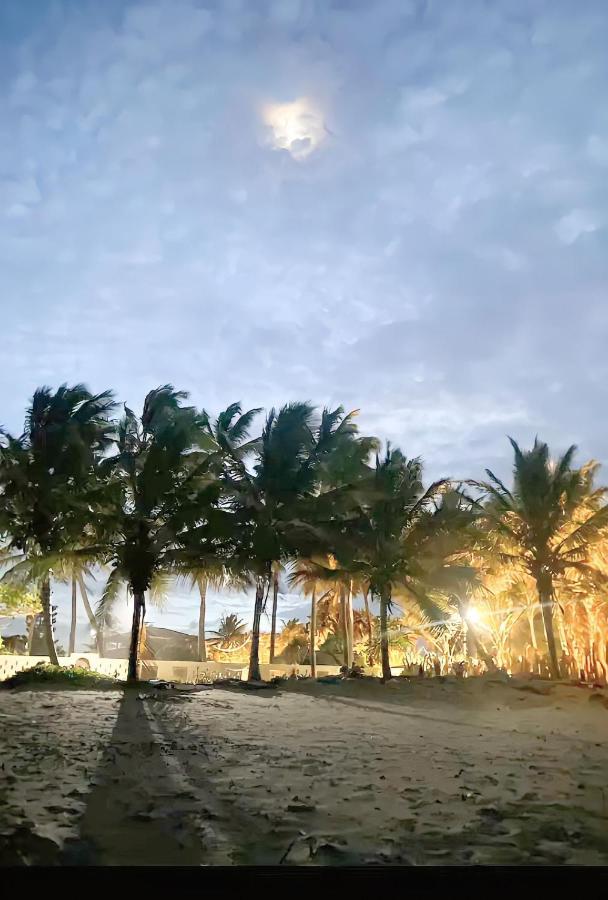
pixel 435 773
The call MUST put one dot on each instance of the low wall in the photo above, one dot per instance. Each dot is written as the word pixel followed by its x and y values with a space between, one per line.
pixel 186 672
pixel 198 672
pixel 167 670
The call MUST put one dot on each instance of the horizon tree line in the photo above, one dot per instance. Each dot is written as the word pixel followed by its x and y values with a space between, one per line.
pixel 175 493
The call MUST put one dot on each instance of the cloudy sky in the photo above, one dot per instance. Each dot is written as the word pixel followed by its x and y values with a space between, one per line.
pixel 398 205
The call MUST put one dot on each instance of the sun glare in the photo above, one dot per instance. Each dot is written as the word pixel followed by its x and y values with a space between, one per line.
pixel 297 127
pixel 473 615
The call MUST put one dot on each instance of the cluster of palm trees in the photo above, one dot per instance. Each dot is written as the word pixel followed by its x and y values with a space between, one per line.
pixel 173 492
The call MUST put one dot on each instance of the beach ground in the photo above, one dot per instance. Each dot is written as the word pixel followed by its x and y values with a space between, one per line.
pixel 446 772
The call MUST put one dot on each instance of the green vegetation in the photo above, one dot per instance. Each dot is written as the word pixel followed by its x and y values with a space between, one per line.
pixel 43 675
pixel 310 502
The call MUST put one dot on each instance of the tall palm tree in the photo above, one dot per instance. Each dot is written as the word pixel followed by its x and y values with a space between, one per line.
pixel 229 432
pixel 95 628
pixel 310 576
pixel 202 573
pixel 202 582
pixel 547 524
pixel 265 502
pixel 73 619
pixel 397 545
pixel 47 477
pixel 368 621
pixel 161 485
pixel 344 485
pixel 277 505
pixel 73 567
pixel 273 617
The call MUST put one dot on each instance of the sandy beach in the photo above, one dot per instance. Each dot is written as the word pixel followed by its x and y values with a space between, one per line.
pixel 421 773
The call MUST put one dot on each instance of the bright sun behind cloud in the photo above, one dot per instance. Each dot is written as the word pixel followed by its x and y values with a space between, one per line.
pixel 297 127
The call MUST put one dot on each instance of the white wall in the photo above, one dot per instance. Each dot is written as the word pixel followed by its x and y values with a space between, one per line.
pixel 167 670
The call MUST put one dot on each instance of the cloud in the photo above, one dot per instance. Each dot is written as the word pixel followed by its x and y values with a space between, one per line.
pixel 575 224
pixel 297 127
pixel 437 261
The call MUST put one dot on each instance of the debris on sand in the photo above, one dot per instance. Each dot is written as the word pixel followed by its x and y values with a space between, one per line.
pixel 245 685
pixel 453 773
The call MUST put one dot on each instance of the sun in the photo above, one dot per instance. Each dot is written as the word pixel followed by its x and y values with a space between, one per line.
pixel 297 127
pixel 473 615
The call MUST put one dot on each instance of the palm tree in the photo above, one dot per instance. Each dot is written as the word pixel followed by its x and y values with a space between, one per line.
pixel 399 639
pixel 230 435
pixel 203 573
pixel 293 505
pixel 200 576
pixel 332 589
pixel 398 544
pixel 95 628
pixel 547 524
pixel 344 484
pixel 310 576
pixel 161 485
pixel 313 633
pixel 292 628
pixel 72 642
pixel 269 525
pixel 202 582
pixel 273 619
pixel 296 641
pixel 368 620
pixel 47 479
pixel 230 431
pixel 231 631
pixel 73 567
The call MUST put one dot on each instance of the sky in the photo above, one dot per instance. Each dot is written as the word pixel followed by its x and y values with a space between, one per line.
pixel 396 205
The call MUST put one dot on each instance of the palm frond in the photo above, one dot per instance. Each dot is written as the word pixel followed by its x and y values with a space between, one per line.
pixel 114 583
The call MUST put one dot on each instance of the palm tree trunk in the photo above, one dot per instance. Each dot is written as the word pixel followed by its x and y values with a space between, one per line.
pixel 370 638
pixel 532 628
pixel 254 655
pixel 72 644
pixel 139 607
pixel 562 631
pixel 313 633
pixel 350 626
pixel 45 599
pixel 30 634
pixel 90 614
pixel 202 646
pixel 385 598
pixel 273 623
pixel 344 624
pixel 545 598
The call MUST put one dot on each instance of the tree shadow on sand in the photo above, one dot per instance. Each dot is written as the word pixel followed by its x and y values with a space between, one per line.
pixel 136 812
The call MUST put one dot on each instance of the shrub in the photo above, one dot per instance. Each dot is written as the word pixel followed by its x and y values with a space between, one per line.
pixel 44 674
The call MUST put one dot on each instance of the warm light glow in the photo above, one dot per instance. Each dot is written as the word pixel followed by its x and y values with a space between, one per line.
pixel 297 127
pixel 473 615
